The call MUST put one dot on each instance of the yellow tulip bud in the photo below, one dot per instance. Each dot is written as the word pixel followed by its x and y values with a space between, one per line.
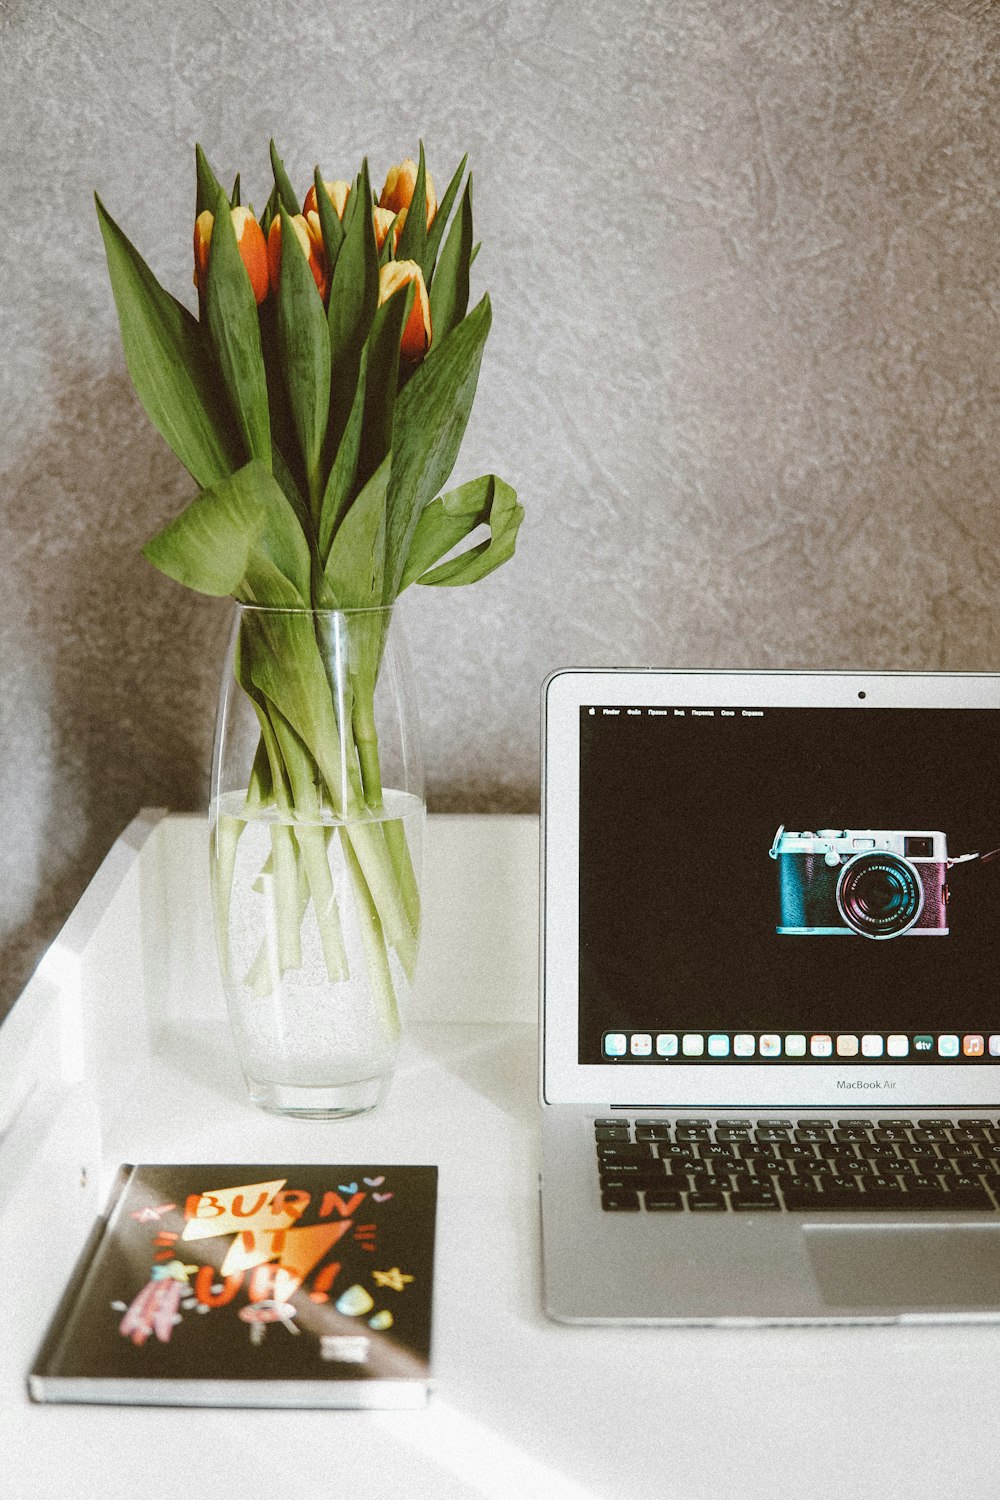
pixel 252 248
pixel 337 192
pixel 310 237
pixel 417 333
pixel 383 218
pixel 399 185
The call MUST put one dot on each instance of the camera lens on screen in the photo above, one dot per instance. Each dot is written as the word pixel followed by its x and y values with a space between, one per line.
pixel 880 895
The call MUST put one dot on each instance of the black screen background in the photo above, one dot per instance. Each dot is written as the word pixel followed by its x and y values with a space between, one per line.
pixel 679 899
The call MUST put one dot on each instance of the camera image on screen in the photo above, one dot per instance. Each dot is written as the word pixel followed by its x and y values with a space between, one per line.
pixel 875 883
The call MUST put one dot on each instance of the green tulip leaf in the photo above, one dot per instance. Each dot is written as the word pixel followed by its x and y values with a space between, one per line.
pixel 281 657
pixel 382 376
pixel 290 489
pixel 450 519
pixel 171 363
pixel 431 415
pixel 413 240
pixel 332 228
pixel 270 211
pixel 209 186
pixel 207 547
pixel 437 229
pixel 353 299
pixel 231 314
pixel 286 193
pixel 450 289
pixel 341 480
pixel 240 537
pixel 355 567
pixel 305 356
pixel 387 253
pixel 234 201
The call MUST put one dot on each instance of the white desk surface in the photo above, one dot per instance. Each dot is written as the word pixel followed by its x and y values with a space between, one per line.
pixel 119 1051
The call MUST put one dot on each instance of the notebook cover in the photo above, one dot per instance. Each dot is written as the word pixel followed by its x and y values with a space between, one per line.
pixel 250 1286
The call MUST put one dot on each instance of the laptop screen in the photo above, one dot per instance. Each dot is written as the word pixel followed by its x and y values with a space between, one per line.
pixel 801 885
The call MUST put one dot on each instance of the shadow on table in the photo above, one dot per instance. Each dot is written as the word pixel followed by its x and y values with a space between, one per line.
pixel 204 1054
pixel 500 1063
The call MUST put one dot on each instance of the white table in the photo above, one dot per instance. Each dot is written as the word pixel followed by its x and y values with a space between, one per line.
pixel 119 1051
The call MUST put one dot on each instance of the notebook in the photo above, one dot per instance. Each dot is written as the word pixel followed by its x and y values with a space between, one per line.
pixel 770 1036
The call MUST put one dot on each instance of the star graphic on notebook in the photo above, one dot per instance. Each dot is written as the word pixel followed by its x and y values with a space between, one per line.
pixel 152 1215
pixel 395 1279
pixel 174 1270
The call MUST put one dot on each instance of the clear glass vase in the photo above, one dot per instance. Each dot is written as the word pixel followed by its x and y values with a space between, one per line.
pixel 317 818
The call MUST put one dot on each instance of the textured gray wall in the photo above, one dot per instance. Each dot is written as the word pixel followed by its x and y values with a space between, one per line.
pixel 743 259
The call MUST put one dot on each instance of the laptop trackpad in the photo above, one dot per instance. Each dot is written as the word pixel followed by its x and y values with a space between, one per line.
pixel 880 1265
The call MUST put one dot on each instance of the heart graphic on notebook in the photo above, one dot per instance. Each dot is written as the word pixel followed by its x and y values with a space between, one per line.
pixel 381 1197
pixel 373 1181
pixel 347 1187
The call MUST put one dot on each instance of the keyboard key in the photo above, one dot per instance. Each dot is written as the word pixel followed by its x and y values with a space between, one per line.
pixel 810 1133
pixel 651 1132
pixel 611 1133
pixel 702 1202
pixel 815 1124
pixel 619 1151
pixel 662 1199
pixel 623 1200
pixel 849 1166
pixel 600 1124
pixel 634 1172
pixel 631 1170
pixel 813 1200
pixel 798 1199
pixel 754 1199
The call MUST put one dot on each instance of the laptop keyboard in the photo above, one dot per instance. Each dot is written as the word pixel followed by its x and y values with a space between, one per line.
pixel 811 1165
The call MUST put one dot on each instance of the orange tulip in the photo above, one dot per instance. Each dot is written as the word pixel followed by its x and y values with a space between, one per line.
pixel 383 217
pixel 310 237
pixel 399 186
pixel 417 333
pixel 337 192
pixel 252 247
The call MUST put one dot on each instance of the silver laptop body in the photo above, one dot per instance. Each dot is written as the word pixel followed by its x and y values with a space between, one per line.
pixel 768 901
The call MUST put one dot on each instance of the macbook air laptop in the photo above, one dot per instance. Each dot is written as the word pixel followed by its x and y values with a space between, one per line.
pixel 770 1033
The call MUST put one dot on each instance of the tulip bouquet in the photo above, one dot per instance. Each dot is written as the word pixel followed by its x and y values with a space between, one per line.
pixel 318 400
